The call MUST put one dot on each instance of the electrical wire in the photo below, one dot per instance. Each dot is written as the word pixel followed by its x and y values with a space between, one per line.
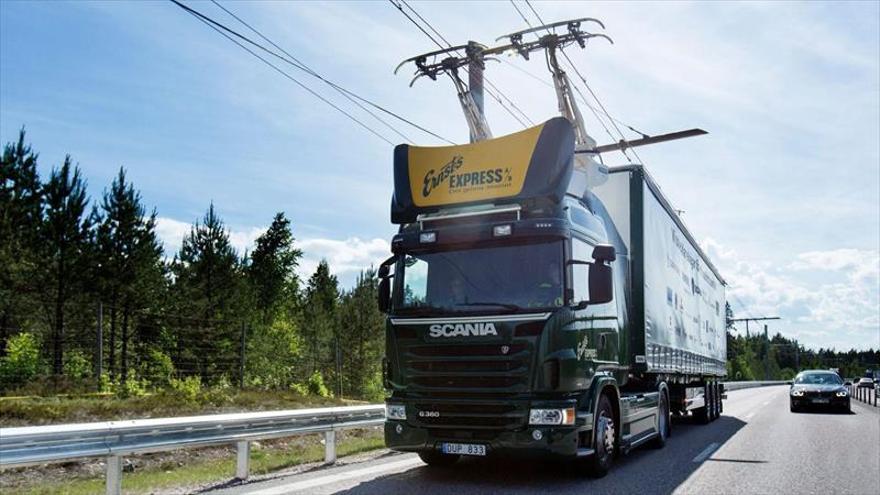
pixel 485 79
pixel 489 83
pixel 351 96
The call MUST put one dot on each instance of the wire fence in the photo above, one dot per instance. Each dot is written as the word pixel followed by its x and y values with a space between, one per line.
pixel 98 343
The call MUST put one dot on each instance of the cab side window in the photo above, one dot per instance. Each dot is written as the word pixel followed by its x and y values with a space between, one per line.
pixel 580 251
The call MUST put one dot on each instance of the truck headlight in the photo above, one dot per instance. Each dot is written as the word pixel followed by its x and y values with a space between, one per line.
pixel 797 393
pixel 395 411
pixel 552 416
pixel 841 393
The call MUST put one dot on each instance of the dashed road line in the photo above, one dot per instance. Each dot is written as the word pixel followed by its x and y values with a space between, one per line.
pixel 702 456
pixel 371 471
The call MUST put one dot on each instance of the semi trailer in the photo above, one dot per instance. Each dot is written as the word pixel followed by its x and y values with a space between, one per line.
pixel 540 303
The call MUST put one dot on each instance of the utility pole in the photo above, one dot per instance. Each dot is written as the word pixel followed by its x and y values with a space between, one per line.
pixel 475 74
pixel 766 338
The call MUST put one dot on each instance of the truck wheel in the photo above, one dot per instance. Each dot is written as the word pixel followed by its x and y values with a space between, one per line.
pixel 437 459
pixel 663 422
pixel 703 414
pixel 604 439
pixel 713 392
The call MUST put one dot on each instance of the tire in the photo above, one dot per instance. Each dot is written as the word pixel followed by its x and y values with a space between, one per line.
pixel 703 415
pixel 712 406
pixel 664 422
pixel 604 440
pixel 435 458
pixel 716 394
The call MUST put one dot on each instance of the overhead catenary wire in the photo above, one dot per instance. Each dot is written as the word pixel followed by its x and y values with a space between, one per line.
pixel 492 88
pixel 486 79
pixel 587 85
pixel 231 34
pixel 583 99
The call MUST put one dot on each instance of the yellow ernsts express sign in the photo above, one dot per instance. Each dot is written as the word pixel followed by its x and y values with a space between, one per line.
pixel 490 169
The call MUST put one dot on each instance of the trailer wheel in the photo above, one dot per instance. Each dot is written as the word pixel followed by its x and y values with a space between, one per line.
pixel 703 414
pixel 663 422
pixel 713 408
pixel 604 439
pixel 434 458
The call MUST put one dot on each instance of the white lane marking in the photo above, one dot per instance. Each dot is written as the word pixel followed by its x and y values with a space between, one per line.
pixel 749 415
pixel 706 453
pixel 764 404
pixel 297 486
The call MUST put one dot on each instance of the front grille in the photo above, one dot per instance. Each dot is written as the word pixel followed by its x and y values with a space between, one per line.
pixel 435 369
pixel 457 386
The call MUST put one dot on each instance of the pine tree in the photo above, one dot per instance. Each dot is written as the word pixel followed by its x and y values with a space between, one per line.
pixel 272 268
pixel 129 254
pixel 319 321
pixel 208 286
pixel 363 335
pixel 65 237
pixel 21 204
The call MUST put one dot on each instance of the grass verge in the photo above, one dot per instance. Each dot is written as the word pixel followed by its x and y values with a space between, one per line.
pixel 170 476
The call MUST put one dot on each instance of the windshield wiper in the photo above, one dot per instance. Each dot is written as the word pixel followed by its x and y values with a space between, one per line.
pixel 512 307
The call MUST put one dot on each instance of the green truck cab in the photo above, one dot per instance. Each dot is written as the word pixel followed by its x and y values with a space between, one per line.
pixel 538 309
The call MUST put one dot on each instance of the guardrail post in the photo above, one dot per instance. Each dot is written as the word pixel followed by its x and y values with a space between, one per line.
pixel 243 460
pixel 114 475
pixel 330 446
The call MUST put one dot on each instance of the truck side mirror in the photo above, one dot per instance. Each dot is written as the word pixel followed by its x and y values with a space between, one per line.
pixel 600 281
pixel 384 296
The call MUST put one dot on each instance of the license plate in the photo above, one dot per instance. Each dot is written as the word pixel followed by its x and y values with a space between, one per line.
pixel 821 401
pixel 463 448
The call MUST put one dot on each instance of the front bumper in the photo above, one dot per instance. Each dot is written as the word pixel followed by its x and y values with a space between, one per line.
pixel 555 442
pixel 834 401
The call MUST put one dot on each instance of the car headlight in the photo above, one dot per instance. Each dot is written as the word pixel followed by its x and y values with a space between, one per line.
pixel 552 416
pixel 395 412
pixel 797 393
pixel 841 393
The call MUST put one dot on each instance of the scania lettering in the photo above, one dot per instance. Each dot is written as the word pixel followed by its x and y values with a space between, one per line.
pixel 538 302
pixel 461 330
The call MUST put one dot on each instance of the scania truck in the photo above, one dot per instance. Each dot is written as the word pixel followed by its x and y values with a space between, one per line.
pixel 541 304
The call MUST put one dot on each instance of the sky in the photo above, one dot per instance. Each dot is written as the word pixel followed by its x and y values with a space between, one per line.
pixel 784 193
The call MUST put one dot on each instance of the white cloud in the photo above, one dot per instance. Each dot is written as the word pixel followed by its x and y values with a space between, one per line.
pixel 826 298
pixel 346 257
pixel 171 232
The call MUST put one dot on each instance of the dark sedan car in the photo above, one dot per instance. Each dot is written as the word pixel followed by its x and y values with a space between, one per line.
pixel 818 388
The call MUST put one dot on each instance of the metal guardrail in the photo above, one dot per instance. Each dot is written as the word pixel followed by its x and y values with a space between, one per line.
pixel 728 386
pixel 33 445
pixel 868 395
pixel 113 440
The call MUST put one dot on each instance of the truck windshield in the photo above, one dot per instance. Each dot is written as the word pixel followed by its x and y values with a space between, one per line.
pixel 525 276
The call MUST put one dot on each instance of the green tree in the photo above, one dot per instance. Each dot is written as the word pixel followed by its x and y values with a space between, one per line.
pixel 318 321
pixel 272 268
pixel 21 204
pixel 363 335
pixel 209 289
pixel 130 267
pixel 65 235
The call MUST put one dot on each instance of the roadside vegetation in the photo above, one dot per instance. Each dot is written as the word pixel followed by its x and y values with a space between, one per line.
pixel 92 303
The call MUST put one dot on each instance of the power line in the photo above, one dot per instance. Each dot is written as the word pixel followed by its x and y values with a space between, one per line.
pixel 302 66
pixel 227 31
pixel 489 83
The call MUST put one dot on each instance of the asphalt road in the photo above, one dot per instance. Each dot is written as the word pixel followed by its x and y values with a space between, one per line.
pixel 757 446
